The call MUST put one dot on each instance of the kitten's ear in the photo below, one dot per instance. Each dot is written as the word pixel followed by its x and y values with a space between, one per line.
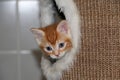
pixel 38 34
pixel 63 27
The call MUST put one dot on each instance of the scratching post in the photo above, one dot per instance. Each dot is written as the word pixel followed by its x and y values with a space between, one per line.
pixel 99 57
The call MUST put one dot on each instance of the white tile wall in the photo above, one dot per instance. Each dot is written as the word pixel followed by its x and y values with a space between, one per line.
pixel 30 69
pixel 29 18
pixel 8 67
pixel 8 28
pixel 17 61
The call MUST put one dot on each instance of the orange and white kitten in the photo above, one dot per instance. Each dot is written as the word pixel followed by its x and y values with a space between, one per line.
pixel 55 43
pixel 58 42
pixel 54 40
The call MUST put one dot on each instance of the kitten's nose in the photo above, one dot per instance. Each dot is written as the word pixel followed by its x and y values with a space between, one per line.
pixel 57 55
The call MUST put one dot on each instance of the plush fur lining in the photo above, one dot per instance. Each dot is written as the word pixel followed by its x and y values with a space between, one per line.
pixel 54 71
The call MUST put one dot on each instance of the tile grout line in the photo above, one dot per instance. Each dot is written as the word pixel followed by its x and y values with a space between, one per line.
pixel 16 52
pixel 18 41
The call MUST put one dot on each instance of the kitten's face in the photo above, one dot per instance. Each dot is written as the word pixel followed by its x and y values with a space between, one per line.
pixel 54 40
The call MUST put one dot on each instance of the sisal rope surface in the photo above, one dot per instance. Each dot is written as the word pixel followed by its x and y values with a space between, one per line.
pixel 99 58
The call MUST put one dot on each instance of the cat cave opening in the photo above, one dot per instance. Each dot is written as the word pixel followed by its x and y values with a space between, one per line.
pixel 59 14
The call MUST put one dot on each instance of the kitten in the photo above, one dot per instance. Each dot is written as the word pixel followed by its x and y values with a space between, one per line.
pixel 54 40
pixel 58 42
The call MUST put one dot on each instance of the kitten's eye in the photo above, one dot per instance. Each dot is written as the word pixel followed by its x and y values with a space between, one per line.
pixel 61 45
pixel 49 48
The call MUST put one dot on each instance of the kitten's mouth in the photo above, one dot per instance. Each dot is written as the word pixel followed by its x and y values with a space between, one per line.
pixel 53 60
